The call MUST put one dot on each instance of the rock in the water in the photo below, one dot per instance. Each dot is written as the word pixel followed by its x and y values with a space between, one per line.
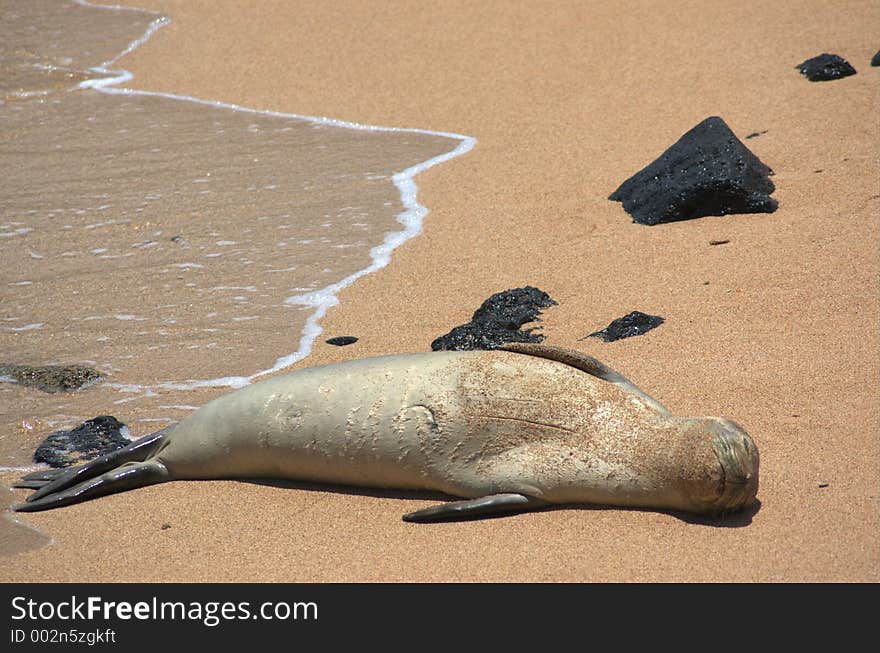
pixel 875 60
pixel 91 439
pixel 634 324
pixel 498 321
pixel 826 67
pixel 52 378
pixel 341 341
pixel 708 171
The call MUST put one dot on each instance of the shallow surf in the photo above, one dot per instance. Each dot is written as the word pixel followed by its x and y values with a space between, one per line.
pixel 173 243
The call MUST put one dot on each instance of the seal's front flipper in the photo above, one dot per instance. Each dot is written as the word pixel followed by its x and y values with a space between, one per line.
pixel 125 477
pixel 137 451
pixel 488 506
pixel 585 363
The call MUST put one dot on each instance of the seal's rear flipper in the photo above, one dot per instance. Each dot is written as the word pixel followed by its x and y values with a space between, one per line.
pixel 36 480
pixel 125 477
pixel 585 363
pixel 488 506
pixel 137 451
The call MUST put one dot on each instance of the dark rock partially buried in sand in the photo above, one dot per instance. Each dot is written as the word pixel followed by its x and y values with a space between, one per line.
pixel 52 378
pixel 875 60
pixel 498 321
pixel 708 171
pixel 91 439
pixel 633 324
pixel 826 67
pixel 341 341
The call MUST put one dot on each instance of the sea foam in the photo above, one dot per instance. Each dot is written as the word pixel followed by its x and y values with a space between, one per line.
pixel 107 78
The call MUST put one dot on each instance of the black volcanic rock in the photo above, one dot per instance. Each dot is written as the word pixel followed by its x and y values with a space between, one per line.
pixel 341 341
pixel 92 438
pixel 875 60
pixel 52 378
pixel 825 67
pixel 708 171
pixel 633 324
pixel 498 321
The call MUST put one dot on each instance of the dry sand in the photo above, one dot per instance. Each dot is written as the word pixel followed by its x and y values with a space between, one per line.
pixel 777 329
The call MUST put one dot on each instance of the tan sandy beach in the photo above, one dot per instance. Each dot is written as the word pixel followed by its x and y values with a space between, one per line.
pixel 778 329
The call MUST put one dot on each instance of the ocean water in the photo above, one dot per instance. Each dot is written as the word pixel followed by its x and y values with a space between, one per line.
pixel 175 244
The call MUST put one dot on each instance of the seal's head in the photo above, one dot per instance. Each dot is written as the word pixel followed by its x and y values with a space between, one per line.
pixel 738 458
pixel 717 465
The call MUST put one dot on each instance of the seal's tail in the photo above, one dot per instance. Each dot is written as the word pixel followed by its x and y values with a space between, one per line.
pixel 124 469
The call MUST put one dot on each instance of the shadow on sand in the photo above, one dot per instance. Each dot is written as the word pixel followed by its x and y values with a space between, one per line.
pixel 737 519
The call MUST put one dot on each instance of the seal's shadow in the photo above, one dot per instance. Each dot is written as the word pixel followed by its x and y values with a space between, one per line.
pixel 378 493
pixel 738 519
pixel 729 520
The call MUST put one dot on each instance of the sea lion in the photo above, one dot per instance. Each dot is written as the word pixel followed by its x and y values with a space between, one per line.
pixel 509 430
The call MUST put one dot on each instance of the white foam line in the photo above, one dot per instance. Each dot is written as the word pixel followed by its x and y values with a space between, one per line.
pixel 159 22
pixel 10 516
pixel 24 469
pixel 322 300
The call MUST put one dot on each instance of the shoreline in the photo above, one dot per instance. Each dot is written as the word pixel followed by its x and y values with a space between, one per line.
pixel 765 342
pixel 34 414
pixel 298 313
pixel 325 298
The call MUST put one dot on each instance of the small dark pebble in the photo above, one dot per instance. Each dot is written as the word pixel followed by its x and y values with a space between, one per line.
pixel 177 239
pixel 875 60
pixel 718 242
pixel 92 438
pixel 825 67
pixel 498 321
pixel 341 341
pixel 823 484
pixel 708 171
pixel 634 324
pixel 756 134
pixel 52 378
pixel 165 527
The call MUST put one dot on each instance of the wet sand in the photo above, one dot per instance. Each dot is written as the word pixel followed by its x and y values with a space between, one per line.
pixel 777 329
pixel 137 225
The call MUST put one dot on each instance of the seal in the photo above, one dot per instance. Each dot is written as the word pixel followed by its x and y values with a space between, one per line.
pixel 507 430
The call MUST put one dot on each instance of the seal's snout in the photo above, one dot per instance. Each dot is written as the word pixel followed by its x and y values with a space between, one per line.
pixel 738 456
